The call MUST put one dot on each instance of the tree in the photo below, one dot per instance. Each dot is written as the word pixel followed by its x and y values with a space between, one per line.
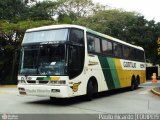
pixel 74 9
pixel 111 22
pixel 42 10
pixel 12 9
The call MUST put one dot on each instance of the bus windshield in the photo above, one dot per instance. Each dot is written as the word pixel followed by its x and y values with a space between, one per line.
pixel 43 60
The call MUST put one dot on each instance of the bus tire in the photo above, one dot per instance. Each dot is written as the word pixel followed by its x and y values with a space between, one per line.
pixel 133 83
pixel 89 94
pixel 137 82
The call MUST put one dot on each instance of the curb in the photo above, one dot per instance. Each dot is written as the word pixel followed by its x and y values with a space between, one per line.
pixel 8 86
pixel 155 92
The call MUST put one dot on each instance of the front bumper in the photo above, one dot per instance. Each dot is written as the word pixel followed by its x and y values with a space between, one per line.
pixel 45 90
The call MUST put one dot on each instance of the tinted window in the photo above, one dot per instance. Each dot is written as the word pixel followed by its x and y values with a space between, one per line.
pixel 132 54
pixel 106 47
pixel 77 36
pixel 126 52
pixel 75 66
pixel 117 50
pixel 139 55
pixel 93 44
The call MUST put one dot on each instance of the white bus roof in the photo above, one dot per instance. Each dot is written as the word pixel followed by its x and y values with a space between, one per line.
pixel 54 27
pixel 84 28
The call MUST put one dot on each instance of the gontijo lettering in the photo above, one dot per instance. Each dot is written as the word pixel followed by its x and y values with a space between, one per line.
pixel 129 64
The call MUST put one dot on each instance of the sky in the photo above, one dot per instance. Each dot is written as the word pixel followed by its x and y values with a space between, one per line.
pixel 150 9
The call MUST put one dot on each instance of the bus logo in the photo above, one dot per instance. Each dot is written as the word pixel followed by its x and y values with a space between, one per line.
pixel 75 86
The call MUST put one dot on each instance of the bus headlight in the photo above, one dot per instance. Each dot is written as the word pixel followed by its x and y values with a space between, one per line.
pixel 59 82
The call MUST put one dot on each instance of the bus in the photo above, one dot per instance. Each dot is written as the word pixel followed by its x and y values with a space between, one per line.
pixel 62 61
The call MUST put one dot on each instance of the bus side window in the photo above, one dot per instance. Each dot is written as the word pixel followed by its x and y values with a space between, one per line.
pixel 132 55
pixel 140 55
pixel 106 47
pixel 126 52
pixel 117 50
pixel 93 44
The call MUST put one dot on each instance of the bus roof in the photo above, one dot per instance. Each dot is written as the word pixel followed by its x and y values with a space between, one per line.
pixel 86 29
pixel 55 27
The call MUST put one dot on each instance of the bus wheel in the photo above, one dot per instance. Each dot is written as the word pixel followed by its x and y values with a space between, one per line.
pixel 133 83
pixel 137 82
pixel 89 91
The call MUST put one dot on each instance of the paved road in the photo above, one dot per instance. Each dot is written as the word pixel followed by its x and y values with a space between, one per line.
pixel 117 101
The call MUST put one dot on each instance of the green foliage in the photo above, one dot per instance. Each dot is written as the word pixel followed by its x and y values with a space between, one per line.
pixel 9 27
pixel 71 10
pixel 42 11
pixel 12 9
pixel 63 18
pixel 108 21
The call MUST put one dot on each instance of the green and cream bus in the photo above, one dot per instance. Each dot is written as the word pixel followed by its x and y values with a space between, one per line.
pixel 61 61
